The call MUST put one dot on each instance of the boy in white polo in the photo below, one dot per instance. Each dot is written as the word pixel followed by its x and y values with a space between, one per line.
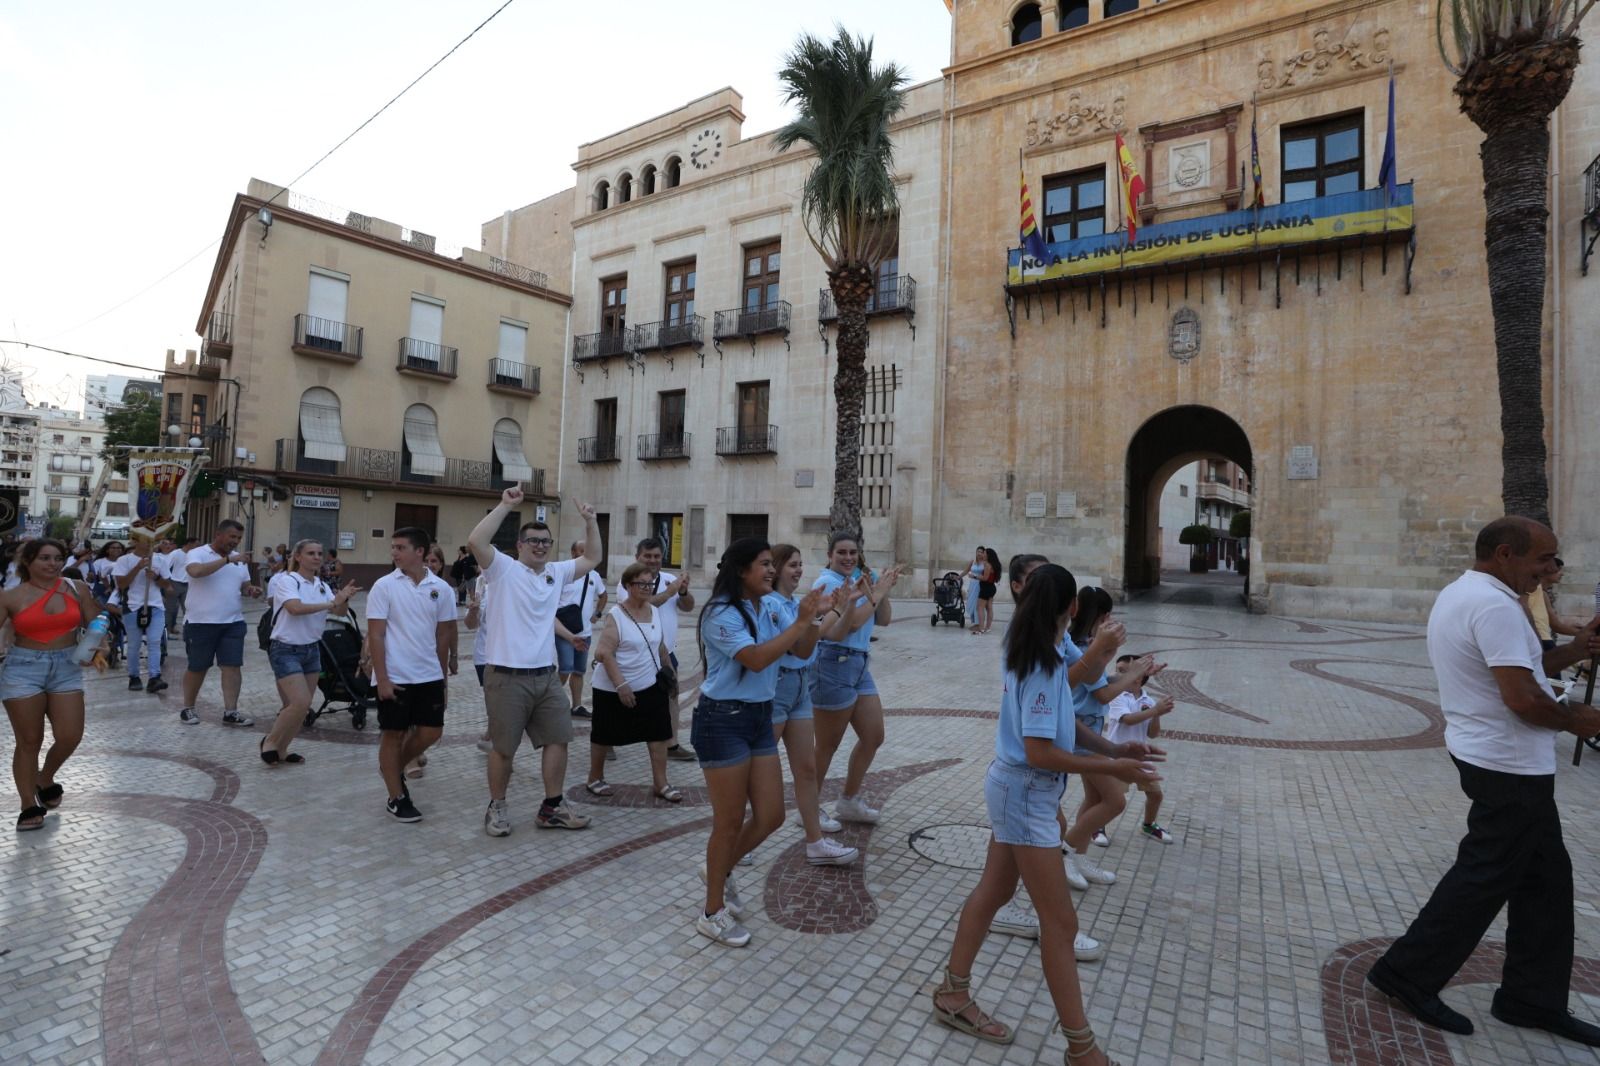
pixel 411 629
pixel 521 687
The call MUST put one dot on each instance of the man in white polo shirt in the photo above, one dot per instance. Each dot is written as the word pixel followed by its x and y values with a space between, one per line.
pixel 213 623
pixel 521 687
pixel 411 631
pixel 1501 721
pixel 141 579
pixel 671 595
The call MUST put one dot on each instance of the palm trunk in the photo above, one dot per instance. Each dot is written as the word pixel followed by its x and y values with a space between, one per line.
pixel 852 287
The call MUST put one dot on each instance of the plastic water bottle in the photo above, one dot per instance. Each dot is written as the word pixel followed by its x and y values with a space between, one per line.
pixel 89 643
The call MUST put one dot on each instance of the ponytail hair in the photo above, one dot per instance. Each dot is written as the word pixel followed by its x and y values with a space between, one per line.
pixel 728 587
pixel 1049 594
pixel 1019 569
pixel 1093 604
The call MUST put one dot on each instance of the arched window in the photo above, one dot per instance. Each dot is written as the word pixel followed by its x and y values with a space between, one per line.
pixel 421 454
pixel 1026 24
pixel 321 446
pixel 602 196
pixel 672 173
pixel 647 181
pixel 1120 7
pixel 1074 13
pixel 508 463
pixel 624 187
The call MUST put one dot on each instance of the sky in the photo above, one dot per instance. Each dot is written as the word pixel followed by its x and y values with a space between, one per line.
pixel 128 129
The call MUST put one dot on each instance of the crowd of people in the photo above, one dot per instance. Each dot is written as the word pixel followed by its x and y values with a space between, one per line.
pixel 782 665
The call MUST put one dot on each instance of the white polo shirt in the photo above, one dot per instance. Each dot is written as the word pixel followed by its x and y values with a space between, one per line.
pixel 1478 623
pixel 177 559
pixel 290 587
pixel 214 598
pixel 666 613
pixel 520 633
pixel 411 611
pixel 573 592
pixel 144 590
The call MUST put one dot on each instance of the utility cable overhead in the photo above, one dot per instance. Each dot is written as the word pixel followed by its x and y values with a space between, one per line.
pixel 90 358
pixel 297 178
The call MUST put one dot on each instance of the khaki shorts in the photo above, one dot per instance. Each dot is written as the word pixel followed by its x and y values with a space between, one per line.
pixel 533 705
pixel 1149 788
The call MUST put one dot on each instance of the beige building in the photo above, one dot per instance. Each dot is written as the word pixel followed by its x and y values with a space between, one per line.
pixel 698 399
pixel 357 377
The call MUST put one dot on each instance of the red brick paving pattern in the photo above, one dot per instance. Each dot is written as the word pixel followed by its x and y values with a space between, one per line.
pixel 1179 684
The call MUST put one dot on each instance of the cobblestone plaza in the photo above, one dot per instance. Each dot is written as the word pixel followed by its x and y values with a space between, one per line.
pixel 187 904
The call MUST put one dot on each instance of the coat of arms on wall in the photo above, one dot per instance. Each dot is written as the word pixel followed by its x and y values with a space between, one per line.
pixel 1183 336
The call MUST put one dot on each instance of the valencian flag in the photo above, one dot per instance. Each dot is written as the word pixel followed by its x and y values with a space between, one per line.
pixel 1132 188
pixel 1255 163
pixel 1032 240
pixel 1386 169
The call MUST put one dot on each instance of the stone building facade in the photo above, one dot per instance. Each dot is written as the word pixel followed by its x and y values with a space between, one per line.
pixel 357 377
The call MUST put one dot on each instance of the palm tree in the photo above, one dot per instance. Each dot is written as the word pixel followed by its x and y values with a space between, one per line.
pixel 850 212
pixel 1514 61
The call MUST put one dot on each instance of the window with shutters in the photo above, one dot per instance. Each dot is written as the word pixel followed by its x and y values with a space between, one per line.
pixel 877 440
pixel 741 526
pixel 321 447
pixel 614 305
pixel 423 516
pixel 755 415
pixel 327 308
pixel 680 293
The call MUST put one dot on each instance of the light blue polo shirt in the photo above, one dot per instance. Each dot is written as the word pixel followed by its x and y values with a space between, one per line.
pixel 789 610
pixel 860 640
pixel 1090 711
pixel 725 635
pixel 1034 706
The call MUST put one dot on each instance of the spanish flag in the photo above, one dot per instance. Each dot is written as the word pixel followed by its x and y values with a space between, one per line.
pixel 1032 240
pixel 1132 188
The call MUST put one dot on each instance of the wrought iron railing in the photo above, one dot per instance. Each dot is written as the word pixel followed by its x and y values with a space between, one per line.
pixel 325 335
pixel 599 449
pixel 534 486
pixel 506 374
pixel 382 466
pixel 739 322
pixel 654 336
pixel 219 331
pixel 427 358
pixel 664 445
pixel 895 294
pixel 747 440
pixel 586 346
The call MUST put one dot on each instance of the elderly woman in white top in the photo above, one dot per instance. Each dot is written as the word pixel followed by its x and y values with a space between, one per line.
pixel 631 703
pixel 299 600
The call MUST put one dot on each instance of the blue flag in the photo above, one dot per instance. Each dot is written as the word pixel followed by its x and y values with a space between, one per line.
pixel 1387 169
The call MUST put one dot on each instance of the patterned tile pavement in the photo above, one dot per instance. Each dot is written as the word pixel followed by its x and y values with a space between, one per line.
pixel 188 905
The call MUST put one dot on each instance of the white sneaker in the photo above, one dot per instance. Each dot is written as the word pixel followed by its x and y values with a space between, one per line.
pixel 1100 840
pixel 854 809
pixel 829 852
pixel 723 928
pixel 485 745
pixel 1087 948
pixel 1155 832
pixel 495 820
pixel 730 896
pixel 825 821
pixel 1074 878
pixel 1012 920
pixel 747 859
pixel 1091 872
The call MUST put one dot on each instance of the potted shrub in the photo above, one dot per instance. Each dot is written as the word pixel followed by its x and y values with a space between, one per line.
pixel 1197 537
pixel 1239 528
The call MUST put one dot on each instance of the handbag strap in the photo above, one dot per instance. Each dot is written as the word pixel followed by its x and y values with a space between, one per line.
pixel 643 635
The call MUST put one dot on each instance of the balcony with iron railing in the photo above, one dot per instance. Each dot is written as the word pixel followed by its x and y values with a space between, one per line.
pixel 747 440
pixel 587 347
pixel 219 336
pixel 513 378
pixel 1591 213
pixel 600 449
pixel 654 446
pixel 896 294
pixel 660 336
pixel 327 339
pixel 752 322
pixel 1211 489
pixel 426 358
pixel 383 467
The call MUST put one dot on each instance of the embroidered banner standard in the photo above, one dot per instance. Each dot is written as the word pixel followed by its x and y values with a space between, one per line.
pixel 159 479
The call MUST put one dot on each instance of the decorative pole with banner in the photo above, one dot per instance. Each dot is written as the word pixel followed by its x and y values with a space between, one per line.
pixel 159 479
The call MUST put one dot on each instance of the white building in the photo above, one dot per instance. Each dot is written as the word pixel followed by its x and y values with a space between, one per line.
pixel 104 392
pixel 19 444
pixel 67 470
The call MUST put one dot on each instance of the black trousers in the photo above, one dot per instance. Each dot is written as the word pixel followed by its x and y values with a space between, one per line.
pixel 1512 856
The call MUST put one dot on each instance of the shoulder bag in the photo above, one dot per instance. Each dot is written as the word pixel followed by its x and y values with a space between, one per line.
pixel 666 676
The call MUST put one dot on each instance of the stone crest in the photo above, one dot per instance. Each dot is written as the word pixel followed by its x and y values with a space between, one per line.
pixel 1351 52
pixel 1183 335
pixel 1190 165
pixel 1077 120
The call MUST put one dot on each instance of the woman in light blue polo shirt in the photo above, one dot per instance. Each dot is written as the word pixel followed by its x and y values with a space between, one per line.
pixel 742 637
pixel 842 690
pixel 1034 745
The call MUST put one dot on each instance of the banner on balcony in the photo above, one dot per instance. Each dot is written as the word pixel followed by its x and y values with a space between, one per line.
pixel 1301 222
pixel 159 479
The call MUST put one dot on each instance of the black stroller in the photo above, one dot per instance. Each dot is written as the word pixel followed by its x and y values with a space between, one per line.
pixel 948 605
pixel 342 684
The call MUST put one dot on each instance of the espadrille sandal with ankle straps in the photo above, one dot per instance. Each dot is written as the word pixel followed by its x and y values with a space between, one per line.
pixel 971 1026
pixel 1081 1044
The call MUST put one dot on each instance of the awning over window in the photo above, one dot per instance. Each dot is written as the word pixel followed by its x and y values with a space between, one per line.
pixel 320 432
pixel 422 440
pixel 508 449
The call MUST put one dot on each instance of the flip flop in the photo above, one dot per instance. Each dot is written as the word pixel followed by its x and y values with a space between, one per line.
pixel 598 788
pixel 49 796
pixel 35 815
pixel 294 758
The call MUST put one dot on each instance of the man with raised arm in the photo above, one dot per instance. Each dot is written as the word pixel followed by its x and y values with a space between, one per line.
pixel 521 686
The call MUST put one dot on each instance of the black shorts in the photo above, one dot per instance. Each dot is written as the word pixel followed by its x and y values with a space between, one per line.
pixel 986 590
pixel 417 704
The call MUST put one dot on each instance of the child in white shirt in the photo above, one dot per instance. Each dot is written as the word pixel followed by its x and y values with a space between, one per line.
pixel 1135 715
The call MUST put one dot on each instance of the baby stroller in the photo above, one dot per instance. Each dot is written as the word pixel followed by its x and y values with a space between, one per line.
pixel 948 605
pixel 342 684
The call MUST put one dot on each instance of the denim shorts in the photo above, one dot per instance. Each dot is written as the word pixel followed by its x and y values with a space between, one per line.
pixel 569 660
pixel 206 643
pixel 290 660
pixel 727 732
pixel 1022 804
pixel 793 701
pixel 840 676
pixel 1094 723
pixel 28 672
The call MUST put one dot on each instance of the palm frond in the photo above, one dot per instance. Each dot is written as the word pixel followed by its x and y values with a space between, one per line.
pixel 846 105
pixel 1472 31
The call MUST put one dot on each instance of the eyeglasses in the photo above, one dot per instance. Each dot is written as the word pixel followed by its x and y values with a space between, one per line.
pixel 643 585
pixel 538 541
